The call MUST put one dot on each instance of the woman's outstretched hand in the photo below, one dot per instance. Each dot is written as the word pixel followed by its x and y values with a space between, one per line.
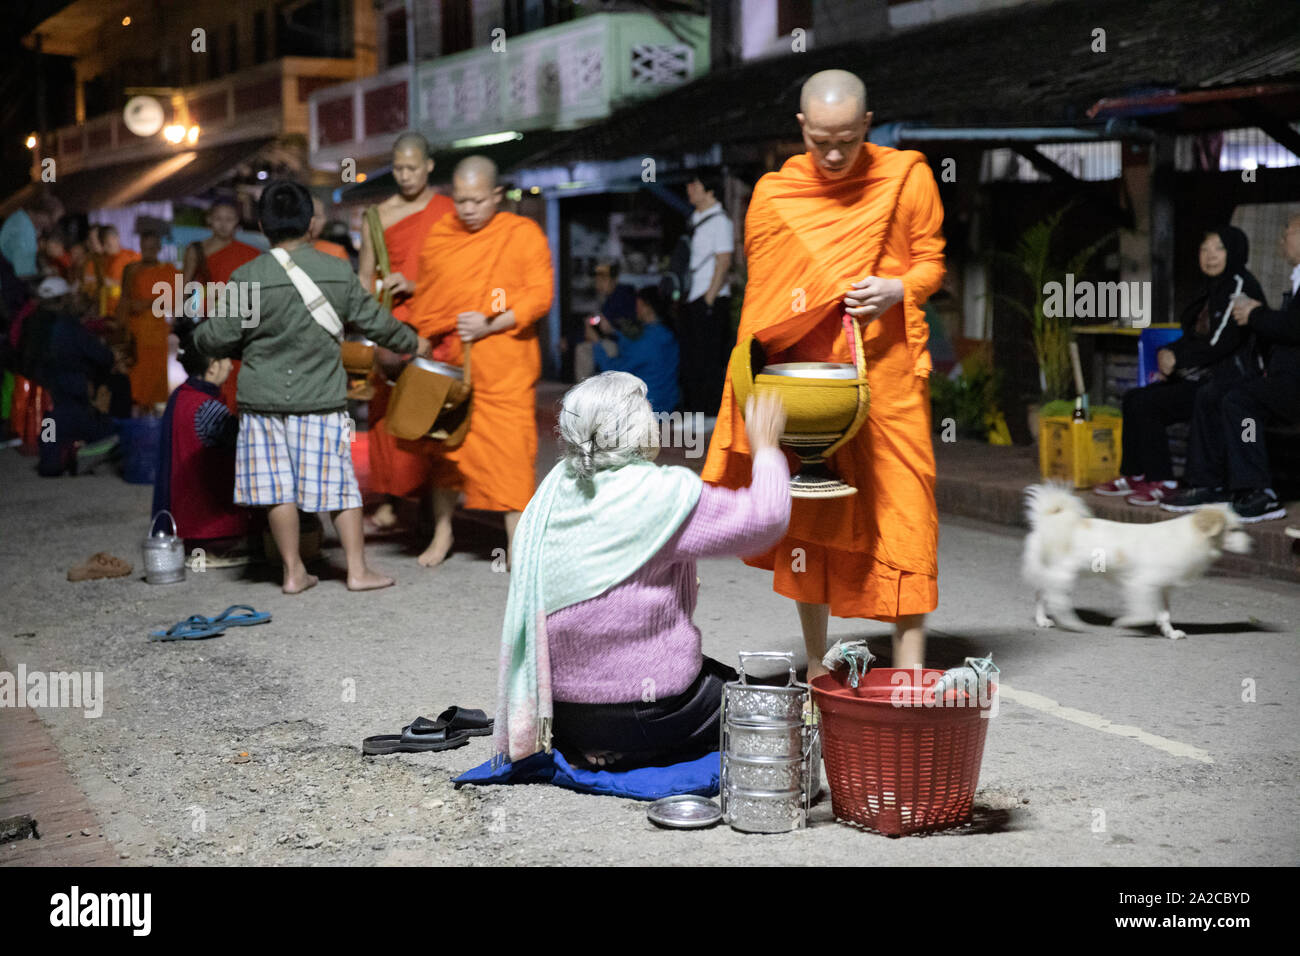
pixel 764 419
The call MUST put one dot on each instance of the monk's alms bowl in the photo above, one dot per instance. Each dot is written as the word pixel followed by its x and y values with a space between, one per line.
pixel 825 404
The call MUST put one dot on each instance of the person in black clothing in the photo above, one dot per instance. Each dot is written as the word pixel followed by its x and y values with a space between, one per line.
pixel 71 359
pixel 1227 460
pixel 1212 348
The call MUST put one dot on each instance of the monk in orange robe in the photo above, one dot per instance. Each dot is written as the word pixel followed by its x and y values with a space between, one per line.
pixel 407 217
pixel 317 227
pixel 213 259
pixel 849 227
pixel 114 260
pixel 136 313
pixel 485 278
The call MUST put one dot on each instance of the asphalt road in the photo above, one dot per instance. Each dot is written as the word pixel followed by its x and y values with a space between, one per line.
pixel 1109 748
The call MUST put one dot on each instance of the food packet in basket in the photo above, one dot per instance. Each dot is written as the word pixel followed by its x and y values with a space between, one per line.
pixel 854 654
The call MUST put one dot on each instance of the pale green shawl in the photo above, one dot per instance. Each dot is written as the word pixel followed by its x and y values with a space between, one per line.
pixel 576 539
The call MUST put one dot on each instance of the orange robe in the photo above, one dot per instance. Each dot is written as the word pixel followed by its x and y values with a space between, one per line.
pixel 395 470
pixel 149 374
pixel 219 266
pixel 112 267
pixel 331 249
pixel 872 554
pixel 505 265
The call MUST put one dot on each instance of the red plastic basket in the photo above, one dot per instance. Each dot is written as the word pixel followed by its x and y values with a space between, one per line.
pixel 897 762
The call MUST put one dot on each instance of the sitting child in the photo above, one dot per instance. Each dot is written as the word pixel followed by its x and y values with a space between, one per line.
pixel 295 435
pixel 196 460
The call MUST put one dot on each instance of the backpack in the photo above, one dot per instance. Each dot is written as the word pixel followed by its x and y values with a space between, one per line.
pixel 676 283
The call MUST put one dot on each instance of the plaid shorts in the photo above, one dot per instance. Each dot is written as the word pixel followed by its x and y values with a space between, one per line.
pixel 296 459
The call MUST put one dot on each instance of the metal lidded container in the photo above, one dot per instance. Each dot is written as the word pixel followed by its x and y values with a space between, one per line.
pixel 164 554
pixel 769 752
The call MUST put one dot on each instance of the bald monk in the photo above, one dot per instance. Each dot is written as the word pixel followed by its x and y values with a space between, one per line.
pixel 317 227
pixel 485 278
pixel 407 217
pixel 135 313
pixel 856 227
pixel 213 260
pixel 113 263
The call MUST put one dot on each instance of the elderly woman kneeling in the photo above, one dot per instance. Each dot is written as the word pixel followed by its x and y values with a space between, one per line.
pixel 598 652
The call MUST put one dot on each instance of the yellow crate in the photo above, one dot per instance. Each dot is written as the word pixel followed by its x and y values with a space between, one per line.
pixel 1082 453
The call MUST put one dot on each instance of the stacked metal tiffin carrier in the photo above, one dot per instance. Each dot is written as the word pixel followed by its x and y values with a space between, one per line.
pixel 771 752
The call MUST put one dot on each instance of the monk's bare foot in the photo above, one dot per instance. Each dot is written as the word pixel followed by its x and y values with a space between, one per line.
pixel 369 580
pixel 437 550
pixel 602 758
pixel 816 669
pixel 297 583
pixel 384 517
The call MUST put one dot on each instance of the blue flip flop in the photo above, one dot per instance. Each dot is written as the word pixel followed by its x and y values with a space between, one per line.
pixel 193 628
pixel 227 619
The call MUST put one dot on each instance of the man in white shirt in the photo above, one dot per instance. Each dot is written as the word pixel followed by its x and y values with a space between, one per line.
pixel 705 322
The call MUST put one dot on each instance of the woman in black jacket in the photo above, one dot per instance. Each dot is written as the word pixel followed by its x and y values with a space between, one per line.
pixel 1212 347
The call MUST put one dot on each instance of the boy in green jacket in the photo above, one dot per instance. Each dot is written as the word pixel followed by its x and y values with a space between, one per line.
pixel 295 435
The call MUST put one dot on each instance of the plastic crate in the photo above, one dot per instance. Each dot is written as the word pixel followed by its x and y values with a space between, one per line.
pixel 1082 453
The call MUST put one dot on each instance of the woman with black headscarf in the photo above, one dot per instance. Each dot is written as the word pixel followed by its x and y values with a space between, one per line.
pixel 1212 346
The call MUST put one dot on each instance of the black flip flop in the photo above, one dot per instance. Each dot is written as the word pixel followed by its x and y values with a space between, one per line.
pixel 421 735
pixel 472 723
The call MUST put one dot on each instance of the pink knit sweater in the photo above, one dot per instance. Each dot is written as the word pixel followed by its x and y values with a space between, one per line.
pixel 637 639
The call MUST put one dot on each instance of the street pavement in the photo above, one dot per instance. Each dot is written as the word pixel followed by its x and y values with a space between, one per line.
pixel 1109 748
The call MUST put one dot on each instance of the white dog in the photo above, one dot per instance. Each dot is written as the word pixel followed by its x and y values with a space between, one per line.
pixel 1149 560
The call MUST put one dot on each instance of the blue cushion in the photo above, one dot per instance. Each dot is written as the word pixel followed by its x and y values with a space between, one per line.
pixel 644 783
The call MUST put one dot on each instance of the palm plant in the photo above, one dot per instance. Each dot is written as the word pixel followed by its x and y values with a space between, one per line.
pixel 1034 260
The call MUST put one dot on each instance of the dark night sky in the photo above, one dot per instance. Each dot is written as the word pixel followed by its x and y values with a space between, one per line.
pixel 18 90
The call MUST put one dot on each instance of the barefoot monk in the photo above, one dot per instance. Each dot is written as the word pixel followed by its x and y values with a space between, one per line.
pixel 405 218
pixel 849 227
pixel 485 279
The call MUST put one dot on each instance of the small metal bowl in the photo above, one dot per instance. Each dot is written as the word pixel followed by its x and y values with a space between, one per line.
pixel 684 812
pixel 442 368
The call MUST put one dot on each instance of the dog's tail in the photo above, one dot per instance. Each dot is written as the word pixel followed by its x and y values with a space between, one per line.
pixel 1050 501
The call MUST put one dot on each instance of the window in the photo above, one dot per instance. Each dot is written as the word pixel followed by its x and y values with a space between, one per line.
pixel 259 36
pixel 522 16
pixel 457 26
pixel 395 34
pixel 792 14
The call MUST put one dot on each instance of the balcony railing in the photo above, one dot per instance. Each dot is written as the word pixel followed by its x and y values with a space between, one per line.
pixel 556 78
pixel 267 100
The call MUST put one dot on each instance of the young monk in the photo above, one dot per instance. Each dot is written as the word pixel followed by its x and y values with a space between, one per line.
pixel 114 261
pixel 135 313
pixel 214 259
pixel 857 227
pixel 407 217
pixel 317 227
pixel 485 278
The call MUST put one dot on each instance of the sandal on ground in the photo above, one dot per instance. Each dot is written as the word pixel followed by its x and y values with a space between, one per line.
pixel 473 723
pixel 99 565
pixel 229 619
pixel 421 735
pixel 194 628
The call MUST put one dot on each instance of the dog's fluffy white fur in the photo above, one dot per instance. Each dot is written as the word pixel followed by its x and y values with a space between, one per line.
pixel 1146 560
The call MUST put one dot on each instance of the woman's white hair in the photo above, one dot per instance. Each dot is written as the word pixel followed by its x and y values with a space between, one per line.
pixel 606 422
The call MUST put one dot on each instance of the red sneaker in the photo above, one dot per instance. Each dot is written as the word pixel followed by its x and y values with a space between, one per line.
pixel 1120 486
pixel 1151 493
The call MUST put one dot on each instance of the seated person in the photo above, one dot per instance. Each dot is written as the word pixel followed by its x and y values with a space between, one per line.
pixel 1212 348
pixel 67 359
pixel 644 348
pixel 196 459
pixel 599 652
pixel 617 306
pixel 1227 460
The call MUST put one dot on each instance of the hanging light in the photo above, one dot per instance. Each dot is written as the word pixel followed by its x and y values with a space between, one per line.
pixel 31 141
pixel 192 135
pixel 174 133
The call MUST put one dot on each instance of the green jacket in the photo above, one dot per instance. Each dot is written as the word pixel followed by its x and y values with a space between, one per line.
pixel 291 365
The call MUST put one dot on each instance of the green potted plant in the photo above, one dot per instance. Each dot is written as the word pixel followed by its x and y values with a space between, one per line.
pixel 1037 262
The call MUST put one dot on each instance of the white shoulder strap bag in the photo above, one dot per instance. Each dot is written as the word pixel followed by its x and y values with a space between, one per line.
pixel 320 308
